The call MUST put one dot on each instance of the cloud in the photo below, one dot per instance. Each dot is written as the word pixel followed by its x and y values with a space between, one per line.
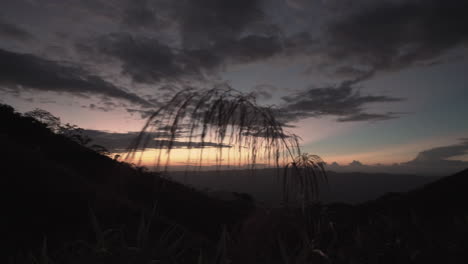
pixel 392 35
pixel 143 113
pixel 250 48
pixel 296 4
pixel 368 117
pixel 434 161
pixel 225 35
pixel 185 40
pixel 139 13
pixel 11 31
pixel 442 153
pixel 199 21
pixel 264 91
pixel 369 38
pixel 364 38
pixel 356 163
pixel 204 22
pixel 167 42
pixel 343 101
pixel 120 142
pixel 99 108
pixel 29 71
pixel 147 60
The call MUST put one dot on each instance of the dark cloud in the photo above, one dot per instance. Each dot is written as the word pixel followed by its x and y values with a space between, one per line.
pixel 392 35
pixel 8 30
pixel 442 153
pixel 206 35
pixel 32 72
pixel 250 48
pixel 98 107
pixel 199 22
pixel 143 113
pixel 147 60
pixel 204 22
pixel 356 163
pixel 264 91
pixel 362 39
pixel 372 37
pixel 301 44
pixel 170 41
pixel 139 13
pixel 343 101
pixel 116 142
pixel 368 117
pixel 120 142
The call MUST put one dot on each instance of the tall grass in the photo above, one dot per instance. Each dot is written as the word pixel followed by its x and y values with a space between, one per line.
pixel 301 179
pixel 222 118
pixel 236 126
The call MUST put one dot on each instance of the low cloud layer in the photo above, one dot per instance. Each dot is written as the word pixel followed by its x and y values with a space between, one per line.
pixel 120 142
pixel 436 161
pixel 443 153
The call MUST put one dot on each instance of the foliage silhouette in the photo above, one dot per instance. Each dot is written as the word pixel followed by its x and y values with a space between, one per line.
pixel 301 178
pixel 42 116
pixel 239 127
pixel 222 115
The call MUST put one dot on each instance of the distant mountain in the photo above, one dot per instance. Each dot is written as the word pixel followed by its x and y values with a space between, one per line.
pixel 265 186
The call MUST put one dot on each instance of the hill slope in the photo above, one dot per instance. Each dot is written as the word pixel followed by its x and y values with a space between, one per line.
pixel 50 183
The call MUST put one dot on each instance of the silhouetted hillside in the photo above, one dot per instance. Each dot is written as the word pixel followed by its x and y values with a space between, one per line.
pixel 50 183
pixel 444 197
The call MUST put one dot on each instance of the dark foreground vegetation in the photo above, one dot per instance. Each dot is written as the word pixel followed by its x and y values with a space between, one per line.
pixel 64 202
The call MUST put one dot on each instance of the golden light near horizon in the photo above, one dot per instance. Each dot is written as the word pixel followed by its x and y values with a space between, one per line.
pixel 185 158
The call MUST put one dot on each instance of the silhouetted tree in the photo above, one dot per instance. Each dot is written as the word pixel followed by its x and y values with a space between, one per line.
pixel 75 133
pixel 6 108
pixel 49 120
pixel 100 149
pixel 71 131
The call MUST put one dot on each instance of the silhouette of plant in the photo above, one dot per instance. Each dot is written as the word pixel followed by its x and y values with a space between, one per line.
pixel 301 179
pixel 231 122
pixel 234 124
pixel 50 121
pixel 71 131
pixel 222 118
pixel 4 108
pixel 100 149
pixel 75 133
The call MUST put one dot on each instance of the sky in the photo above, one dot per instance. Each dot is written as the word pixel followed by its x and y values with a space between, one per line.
pixel 377 84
